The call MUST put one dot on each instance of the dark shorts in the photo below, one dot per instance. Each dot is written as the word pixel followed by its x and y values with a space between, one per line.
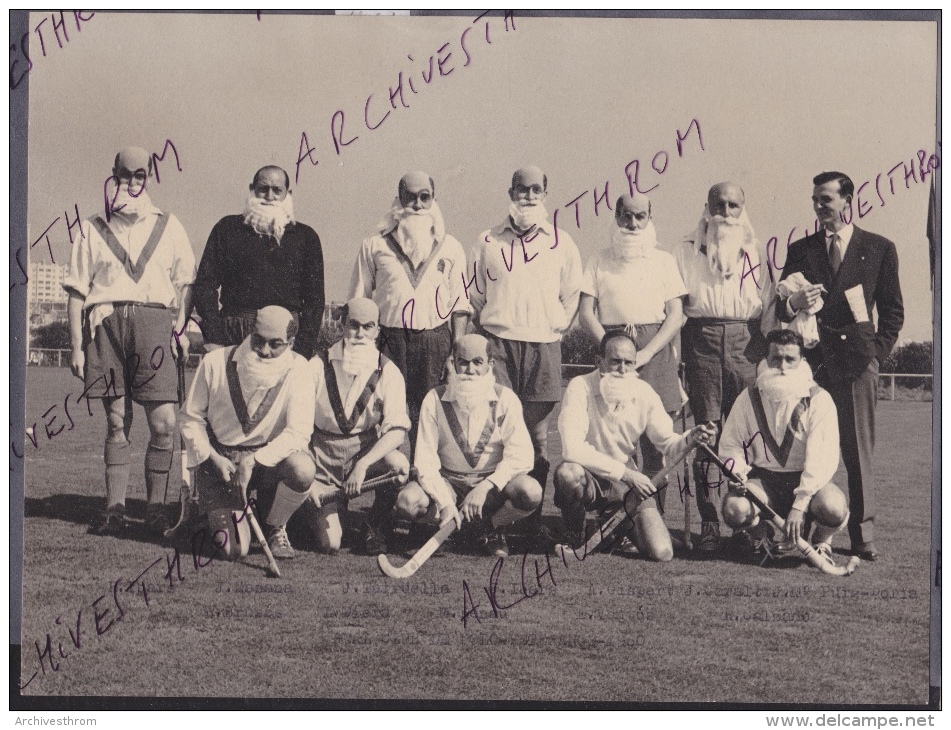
pixel 531 369
pixel 601 495
pixel 421 356
pixel 130 354
pixel 778 486
pixel 720 359
pixel 214 493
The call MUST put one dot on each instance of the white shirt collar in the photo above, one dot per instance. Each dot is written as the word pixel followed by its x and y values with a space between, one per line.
pixel 844 234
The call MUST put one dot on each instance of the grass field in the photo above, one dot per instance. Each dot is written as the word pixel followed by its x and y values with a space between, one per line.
pixel 612 628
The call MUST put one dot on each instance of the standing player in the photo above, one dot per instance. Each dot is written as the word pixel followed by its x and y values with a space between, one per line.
pixel 360 422
pixel 722 338
pixel 260 258
pixel 528 280
pixel 414 270
pixel 129 270
pixel 632 285
pixel 473 445
pixel 248 420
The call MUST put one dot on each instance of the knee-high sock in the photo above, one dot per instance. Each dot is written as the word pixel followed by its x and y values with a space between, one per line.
pixel 117 459
pixel 158 462
pixel 286 502
pixel 507 514
pixel 539 473
pixel 383 505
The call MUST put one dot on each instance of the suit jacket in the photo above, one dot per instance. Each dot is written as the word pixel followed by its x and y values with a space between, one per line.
pixel 846 347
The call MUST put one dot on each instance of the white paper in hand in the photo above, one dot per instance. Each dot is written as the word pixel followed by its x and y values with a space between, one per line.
pixel 856 299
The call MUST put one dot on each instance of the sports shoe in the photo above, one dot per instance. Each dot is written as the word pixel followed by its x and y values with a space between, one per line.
pixel 280 544
pixel 156 520
pixel 743 544
pixel 709 538
pixel 111 523
pixel 373 542
pixel 824 549
pixel 493 542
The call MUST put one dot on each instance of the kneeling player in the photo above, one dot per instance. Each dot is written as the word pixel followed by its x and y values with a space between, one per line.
pixel 248 419
pixel 603 415
pixel 473 445
pixel 788 425
pixel 360 422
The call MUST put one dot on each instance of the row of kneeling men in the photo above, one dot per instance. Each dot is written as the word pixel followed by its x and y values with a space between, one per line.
pixel 322 429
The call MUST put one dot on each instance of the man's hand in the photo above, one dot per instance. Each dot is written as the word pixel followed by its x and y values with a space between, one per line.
pixel 705 433
pixel 225 466
pixel 642 358
pixel 211 347
pixel 77 363
pixel 806 297
pixel 447 513
pixel 639 483
pixel 180 345
pixel 475 500
pixel 355 479
pixel 794 523
pixel 243 473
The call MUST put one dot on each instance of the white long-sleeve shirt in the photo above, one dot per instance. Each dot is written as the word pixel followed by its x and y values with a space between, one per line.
pixel 420 299
pixel 603 439
pixel 281 424
pixel 743 296
pixel 494 434
pixel 526 289
pixel 813 449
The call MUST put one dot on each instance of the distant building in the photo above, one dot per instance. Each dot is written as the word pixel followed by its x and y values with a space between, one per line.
pixel 45 294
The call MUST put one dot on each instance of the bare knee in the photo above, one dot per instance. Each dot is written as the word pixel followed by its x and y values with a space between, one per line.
pixel 412 502
pixel 652 537
pixel 297 471
pixel 829 506
pixel 569 483
pixel 161 424
pixel 738 512
pixel 524 493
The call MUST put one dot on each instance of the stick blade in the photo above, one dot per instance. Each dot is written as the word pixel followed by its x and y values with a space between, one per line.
pixel 391 571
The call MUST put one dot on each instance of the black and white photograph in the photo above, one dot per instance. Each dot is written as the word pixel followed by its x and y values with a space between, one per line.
pixel 488 359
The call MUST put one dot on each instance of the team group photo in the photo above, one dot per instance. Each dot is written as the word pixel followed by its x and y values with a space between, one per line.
pixel 490 358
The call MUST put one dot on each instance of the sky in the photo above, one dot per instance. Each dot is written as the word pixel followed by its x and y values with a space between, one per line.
pixel 775 101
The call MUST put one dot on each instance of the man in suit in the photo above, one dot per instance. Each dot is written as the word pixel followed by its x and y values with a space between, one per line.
pixel 858 271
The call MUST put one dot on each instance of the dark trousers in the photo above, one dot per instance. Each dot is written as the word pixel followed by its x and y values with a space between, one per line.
pixel 855 401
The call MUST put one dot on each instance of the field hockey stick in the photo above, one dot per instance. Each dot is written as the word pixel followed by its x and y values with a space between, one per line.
pixel 421 556
pixel 390 479
pixel 809 552
pixel 272 570
pixel 615 520
pixel 188 499
pixel 688 542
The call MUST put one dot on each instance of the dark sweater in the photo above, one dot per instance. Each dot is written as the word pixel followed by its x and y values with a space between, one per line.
pixel 252 271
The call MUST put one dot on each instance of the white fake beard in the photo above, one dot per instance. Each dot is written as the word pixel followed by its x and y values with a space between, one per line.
pixel 618 390
pixel 726 240
pixel 526 216
pixel 126 204
pixel 628 245
pixel 269 218
pixel 777 387
pixel 470 391
pixel 257 374
pixel 359 357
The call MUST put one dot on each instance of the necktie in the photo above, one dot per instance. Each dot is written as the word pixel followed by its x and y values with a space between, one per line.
pixel 835 254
